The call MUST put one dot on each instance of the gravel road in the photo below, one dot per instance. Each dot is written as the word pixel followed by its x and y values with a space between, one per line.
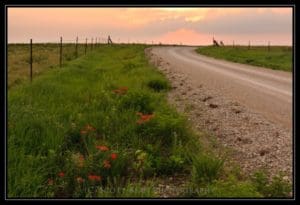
pixel 264 91
pixel 247 108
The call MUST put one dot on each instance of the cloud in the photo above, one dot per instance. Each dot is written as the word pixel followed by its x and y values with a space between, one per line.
pixel 147 23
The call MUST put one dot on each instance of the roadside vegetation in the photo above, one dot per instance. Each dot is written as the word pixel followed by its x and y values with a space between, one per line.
pixel 45 57
pixel 278 58
pixel 101 126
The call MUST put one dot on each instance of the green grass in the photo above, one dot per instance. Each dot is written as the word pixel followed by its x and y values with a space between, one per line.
pixel 45 57
pixel 102 123
pixel 278 58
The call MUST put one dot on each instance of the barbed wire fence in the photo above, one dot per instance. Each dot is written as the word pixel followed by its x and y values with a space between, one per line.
pixel 61 51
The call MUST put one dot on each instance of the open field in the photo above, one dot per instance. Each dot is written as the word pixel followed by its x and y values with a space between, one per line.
pixel 45 57
pixel 101 126
pixel 278 58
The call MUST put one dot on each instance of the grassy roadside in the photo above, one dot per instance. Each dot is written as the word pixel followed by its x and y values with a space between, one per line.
pixel 101 127
pixel 278 58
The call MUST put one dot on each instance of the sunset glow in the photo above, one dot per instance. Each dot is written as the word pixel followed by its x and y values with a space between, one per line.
pixel 193 26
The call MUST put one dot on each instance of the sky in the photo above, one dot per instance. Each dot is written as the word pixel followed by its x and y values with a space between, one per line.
pixel 189 26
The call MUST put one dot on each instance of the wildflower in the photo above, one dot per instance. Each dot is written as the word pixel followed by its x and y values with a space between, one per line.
pixel 144 118
pixel 81 161
pixel 121 90
pixel 89 128
pixel 61 174
pixel 50 181
pixel 94 177
pixel 106 164
pixel 102 148
pixel 113 156
pixel 80 180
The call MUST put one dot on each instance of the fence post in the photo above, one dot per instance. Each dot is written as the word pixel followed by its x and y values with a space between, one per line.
pixel 249 45
pixel 30 60
pixel 92 44
pixel 60 53
pixel 233 44
pixel 85 46
pixel 76 47
pixel 268 46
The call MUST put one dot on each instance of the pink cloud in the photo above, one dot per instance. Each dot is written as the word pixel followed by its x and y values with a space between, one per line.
pixel 185 36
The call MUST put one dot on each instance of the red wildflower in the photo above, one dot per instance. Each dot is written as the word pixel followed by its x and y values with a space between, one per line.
pixel 106 164
pixel 144 118
pixel 113 156
pixel 94 177
pixel 50 181
pixel 61 174
pixel 80 179
pixel 102 148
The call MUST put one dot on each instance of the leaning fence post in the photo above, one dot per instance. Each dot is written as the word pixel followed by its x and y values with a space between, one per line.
pixel 85 46
pixel 60 53
pixel 30 60
pixel 76 47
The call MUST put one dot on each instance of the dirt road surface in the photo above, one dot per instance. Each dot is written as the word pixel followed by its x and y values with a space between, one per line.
pixel 247 108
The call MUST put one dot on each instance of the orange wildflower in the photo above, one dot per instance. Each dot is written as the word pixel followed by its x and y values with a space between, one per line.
pixel 102 148
pixel 94 177
pixel 89 128
pixel 121 90
pixel 106 164
pixel 113 156
pixel 61 174
pixel 144 118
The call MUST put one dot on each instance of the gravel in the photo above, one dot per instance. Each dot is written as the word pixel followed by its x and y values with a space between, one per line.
pixel 255 142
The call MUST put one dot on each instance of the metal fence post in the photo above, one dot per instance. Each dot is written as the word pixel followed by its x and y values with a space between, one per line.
pixel 85 46
pixel 76 47
pixel 60 53
pixel 30 60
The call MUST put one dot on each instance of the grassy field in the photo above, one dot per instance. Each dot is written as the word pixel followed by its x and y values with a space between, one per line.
pixel 45 57
pixel 278 58
pixel 101 126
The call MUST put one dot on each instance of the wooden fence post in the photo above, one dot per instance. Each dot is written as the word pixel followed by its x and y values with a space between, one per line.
pixel 85 46
pixel 30 60
pixel 249 45
pixel 60 53
pixel 268 46
pixel 76 47
pixel 92 44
